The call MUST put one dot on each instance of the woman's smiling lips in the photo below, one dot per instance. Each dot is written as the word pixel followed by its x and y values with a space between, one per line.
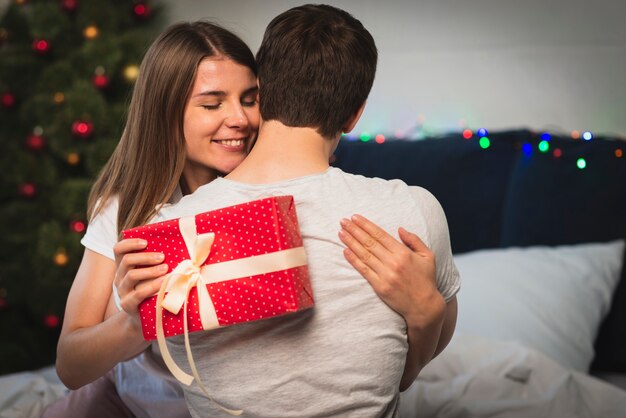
pixel 231 144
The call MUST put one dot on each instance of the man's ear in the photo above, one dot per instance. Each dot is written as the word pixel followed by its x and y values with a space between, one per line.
pixel 351 123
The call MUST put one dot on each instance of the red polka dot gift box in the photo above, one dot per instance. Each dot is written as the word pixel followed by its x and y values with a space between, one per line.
pixel 236 264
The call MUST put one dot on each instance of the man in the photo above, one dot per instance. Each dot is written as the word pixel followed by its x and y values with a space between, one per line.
pixel 362 342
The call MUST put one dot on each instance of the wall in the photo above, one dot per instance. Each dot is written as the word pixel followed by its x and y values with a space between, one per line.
pixel 555 65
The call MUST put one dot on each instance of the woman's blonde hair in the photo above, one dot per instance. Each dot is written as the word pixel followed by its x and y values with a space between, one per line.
pixel 148 162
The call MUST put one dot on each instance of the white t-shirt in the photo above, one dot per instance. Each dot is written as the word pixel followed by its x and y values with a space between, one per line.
pixel 143 383
pixel 345 357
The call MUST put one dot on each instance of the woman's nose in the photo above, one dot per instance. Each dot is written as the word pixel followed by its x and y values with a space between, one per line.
pixel 237 118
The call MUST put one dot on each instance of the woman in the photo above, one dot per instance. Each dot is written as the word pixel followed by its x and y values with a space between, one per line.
pixel 192 117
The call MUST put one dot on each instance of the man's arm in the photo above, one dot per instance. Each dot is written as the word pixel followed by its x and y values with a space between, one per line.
pixel 404 277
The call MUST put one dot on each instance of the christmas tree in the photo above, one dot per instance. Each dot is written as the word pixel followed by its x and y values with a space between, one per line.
pixel 66 71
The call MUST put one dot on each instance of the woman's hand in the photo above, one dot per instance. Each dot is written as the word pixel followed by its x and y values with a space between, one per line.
pixel 138 274
pixel 403 274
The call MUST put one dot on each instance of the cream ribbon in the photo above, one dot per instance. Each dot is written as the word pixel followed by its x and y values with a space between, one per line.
pixel 190 273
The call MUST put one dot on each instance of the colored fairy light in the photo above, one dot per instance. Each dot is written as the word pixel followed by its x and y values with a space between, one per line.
pixel 51 321
pixel 484 142
pixel 78 226
pixel 546 136
pixel 581 163
pixel 365 136
pixel 575 134
pixel 41 46
pixel 557 153
pixel 619 153
pixel 482 132
pixel 544 146
pixel 527 149
pixel 467 133
pixel 380 138
pixel 587 136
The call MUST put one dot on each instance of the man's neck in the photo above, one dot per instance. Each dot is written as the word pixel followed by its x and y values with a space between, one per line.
pixel 283 153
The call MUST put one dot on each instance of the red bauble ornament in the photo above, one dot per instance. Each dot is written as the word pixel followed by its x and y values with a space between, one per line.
pixel 82 129
pixel 41 46
pixel 8 100
pixel 100 81
pixel 51 321
pixel 141 11
pixel 78 226
pixel 35 142
pixel 69 6
pixel 27 190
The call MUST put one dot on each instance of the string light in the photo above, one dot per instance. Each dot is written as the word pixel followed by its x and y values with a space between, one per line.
pixel 91 32
pixel 78 226
pixel 543 146
pixel 557 153
pixel 380 139
pixel 58 98
pixel 484 142
pixel 575 134
pixel 131 72
pixel 467 133
pixel 73 158
pixel 482 132
pixel 619 153
pixel 546 136
pixel 527 148
pixel 365 137
pixel 581 163
pixel 60 258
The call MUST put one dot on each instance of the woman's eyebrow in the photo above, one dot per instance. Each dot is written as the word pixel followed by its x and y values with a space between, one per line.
pixel 251 90
pixel 211 93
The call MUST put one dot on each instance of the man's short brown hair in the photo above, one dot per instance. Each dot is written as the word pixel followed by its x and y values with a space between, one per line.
pixel 316 68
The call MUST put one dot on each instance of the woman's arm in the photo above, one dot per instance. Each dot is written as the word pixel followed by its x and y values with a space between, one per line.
pixel 404 277
pixel 95 337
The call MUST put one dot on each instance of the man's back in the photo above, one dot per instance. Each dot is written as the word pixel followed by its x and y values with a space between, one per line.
pixel 345 357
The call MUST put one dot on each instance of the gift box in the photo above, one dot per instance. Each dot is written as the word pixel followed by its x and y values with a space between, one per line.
pixel 236 264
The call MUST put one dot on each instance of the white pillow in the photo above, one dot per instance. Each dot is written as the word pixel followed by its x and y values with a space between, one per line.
pixel 552 299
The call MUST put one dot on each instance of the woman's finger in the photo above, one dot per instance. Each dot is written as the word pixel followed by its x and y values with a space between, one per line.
pixel 365 271
pixel 128 245
pixel 133 260
pixel 369 242
pixel 377 233
pixel 363 254
pixel 412 241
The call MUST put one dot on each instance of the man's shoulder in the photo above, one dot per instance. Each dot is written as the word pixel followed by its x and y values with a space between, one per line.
pixel 198 201
pixel 373 183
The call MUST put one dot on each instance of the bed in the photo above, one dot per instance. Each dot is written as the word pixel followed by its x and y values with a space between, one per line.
pixel 537 224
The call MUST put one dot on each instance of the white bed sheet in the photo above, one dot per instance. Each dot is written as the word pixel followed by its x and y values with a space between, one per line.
pixel 474 377
pixel 480 377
